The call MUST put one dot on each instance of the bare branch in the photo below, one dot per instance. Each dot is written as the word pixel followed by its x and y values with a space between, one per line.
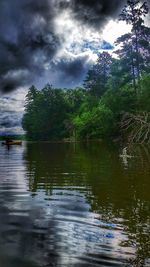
pixel 136 126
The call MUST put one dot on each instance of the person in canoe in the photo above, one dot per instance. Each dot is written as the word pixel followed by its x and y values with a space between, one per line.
pixel 8 141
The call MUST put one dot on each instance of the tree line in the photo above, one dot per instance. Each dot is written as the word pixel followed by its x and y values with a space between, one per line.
pixel 114 100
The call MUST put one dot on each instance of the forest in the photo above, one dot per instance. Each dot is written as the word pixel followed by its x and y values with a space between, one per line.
pixel 114 102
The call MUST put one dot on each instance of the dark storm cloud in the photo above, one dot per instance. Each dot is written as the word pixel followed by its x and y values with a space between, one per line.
pixel 71 71
pixel 28 38
pixel 72 68
pixel 95 13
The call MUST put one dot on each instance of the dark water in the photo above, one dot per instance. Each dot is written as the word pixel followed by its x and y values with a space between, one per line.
pixel 74 205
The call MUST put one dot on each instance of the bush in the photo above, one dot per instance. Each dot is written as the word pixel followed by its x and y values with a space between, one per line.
pixel 98 123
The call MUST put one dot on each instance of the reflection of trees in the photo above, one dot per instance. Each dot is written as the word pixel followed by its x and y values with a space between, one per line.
pixel 51 165
pixel 113 192
pixel 26 234
pixel 126 196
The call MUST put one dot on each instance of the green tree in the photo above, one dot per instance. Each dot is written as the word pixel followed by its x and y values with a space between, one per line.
pixel 126 54
pixel 144 94
pixel 45 114
pixel 133 13
pixel 97 77
pixel 95 123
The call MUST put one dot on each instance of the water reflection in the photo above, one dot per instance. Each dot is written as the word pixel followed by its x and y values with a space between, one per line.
pixel 74 205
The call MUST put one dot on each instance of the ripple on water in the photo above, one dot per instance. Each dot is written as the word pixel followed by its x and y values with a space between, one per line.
pixel 63 212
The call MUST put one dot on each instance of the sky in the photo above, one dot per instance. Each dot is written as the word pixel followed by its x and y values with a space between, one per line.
pixel 50 41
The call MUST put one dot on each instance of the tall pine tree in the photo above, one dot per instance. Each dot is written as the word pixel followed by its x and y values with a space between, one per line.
pixel 97 77
pixel 135 46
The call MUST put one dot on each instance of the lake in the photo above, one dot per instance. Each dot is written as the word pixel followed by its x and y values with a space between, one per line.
pixel 77 204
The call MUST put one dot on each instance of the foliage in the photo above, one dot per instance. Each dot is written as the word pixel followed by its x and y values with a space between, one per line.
pixel 97 123
pixel 120 100
pixel 135 46
pixel 46 112
pixel 97 77
pixel 54 114
pixel 144 94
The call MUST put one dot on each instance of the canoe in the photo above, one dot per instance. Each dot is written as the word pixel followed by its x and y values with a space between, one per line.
pixel 12 143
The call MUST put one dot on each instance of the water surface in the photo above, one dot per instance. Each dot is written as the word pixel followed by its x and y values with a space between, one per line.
pixel 74 205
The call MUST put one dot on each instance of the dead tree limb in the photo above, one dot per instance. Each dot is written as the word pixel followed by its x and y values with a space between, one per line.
pixel 136 127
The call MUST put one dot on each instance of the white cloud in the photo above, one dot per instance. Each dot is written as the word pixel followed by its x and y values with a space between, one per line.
pixel 114 29
pixel 77 39
pixel 74 36
pixel 11 111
